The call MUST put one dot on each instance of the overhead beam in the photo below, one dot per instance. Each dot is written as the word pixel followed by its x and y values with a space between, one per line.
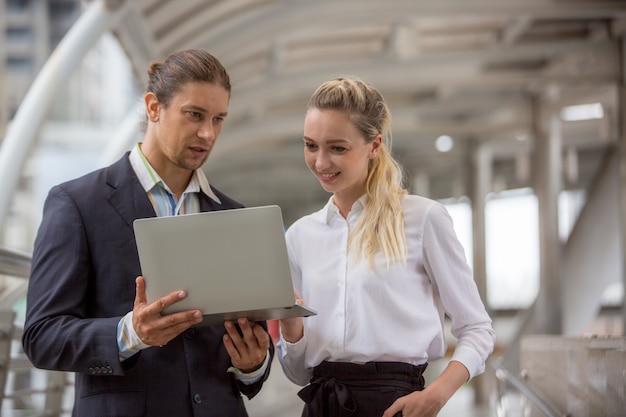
pixel 450 70
pixel 228 35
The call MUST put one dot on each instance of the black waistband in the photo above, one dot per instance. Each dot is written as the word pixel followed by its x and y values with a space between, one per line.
pixel 332 383
pixel 369 370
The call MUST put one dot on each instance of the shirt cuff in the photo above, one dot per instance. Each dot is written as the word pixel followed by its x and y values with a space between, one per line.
pixel 294 348
pixel 254 376
pixel 128 342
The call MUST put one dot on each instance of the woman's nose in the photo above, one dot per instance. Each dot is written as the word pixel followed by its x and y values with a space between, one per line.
pixel 322 161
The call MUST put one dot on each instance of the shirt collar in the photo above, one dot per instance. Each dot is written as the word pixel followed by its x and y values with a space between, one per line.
pixel 331 210
pixel 148 177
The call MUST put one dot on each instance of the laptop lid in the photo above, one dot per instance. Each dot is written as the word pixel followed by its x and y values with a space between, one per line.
pixel 232 263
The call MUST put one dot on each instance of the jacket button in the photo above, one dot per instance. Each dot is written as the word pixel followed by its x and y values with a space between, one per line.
pixel 197 398
pixel 190 334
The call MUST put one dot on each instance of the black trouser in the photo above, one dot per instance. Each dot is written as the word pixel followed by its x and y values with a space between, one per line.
pixel 340 389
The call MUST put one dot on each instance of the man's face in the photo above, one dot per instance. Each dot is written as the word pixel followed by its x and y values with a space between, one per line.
pixel 182 135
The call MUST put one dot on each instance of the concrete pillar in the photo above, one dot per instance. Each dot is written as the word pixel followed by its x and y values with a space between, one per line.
pixel 481 177
pixel 479 185
pixel 41 29
pixel 621 115
pixel 4 82
pixel 547 180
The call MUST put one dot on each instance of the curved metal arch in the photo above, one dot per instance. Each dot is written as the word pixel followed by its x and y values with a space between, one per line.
pixel 99 18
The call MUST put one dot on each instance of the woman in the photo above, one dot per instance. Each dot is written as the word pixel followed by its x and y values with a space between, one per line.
pixel 381 267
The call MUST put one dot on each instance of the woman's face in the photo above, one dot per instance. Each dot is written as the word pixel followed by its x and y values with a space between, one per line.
pixel 337 153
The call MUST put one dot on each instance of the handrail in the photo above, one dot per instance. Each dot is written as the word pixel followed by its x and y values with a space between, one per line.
pixel 14 263
pixel 504 375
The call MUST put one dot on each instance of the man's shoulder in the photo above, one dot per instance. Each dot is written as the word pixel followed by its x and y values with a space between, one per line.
pixel 121 166
pixel 94 180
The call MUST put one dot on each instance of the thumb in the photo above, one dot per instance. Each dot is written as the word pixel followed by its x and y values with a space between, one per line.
pixel 396 407
pixel 140 291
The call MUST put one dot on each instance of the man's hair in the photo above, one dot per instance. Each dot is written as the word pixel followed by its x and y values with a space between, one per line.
pixel 166 78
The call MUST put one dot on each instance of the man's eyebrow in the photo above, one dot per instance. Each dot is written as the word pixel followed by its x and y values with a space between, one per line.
pixel 194 108
pixel 199 109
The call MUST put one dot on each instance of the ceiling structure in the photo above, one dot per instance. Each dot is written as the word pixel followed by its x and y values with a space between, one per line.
pixel 487 73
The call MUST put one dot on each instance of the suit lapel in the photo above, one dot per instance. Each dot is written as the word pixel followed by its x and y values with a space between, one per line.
pixel 126 195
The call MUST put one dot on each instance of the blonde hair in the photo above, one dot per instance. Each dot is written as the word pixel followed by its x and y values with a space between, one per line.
pixel 381 227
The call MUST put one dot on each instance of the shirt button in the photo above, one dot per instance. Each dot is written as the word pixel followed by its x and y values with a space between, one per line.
pixel 197 398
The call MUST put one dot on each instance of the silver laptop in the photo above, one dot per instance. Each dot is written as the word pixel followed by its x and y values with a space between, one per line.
pixel 232 263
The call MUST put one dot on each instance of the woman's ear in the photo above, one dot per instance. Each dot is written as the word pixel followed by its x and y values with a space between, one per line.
pixel 376 144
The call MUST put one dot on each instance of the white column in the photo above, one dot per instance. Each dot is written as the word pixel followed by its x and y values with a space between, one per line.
pixel 23 131
pixel 548 184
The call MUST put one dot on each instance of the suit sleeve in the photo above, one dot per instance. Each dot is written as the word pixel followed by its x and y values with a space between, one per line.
pixel 60 333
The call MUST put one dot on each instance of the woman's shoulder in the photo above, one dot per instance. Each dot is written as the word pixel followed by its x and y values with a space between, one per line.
pixel 428 210
pixel 417 202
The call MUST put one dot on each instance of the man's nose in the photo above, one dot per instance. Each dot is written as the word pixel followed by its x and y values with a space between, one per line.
pixel 207 131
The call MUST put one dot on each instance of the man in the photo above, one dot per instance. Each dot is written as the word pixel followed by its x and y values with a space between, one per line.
pixel 87 310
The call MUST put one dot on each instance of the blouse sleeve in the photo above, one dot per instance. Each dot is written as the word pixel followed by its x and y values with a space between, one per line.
pixel 453 281
pixel 292 355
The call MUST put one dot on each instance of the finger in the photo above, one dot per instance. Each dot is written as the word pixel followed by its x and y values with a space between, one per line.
pixel 395 408
pixel 231 330
pixel 235 357
pixel 254 335
pixel 140 291
pixel 167 327
pixel 246 329
pixel 164 302
pixel 180 321
pixel 262 337
pixel 299 299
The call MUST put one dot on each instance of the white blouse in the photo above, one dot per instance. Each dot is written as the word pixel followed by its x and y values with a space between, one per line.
pixel 394 314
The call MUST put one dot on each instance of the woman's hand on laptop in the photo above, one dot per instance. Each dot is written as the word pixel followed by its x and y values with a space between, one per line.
pixel 248 348
pixel 292 329
pixel 151 326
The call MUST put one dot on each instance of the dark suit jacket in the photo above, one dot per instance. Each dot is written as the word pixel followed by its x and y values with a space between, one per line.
pixel 83 281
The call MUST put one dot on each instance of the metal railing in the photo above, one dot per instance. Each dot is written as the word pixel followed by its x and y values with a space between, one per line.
pixel 506 379
pixel 24 390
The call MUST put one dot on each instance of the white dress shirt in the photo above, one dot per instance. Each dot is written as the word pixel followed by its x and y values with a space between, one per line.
pixel 382 314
